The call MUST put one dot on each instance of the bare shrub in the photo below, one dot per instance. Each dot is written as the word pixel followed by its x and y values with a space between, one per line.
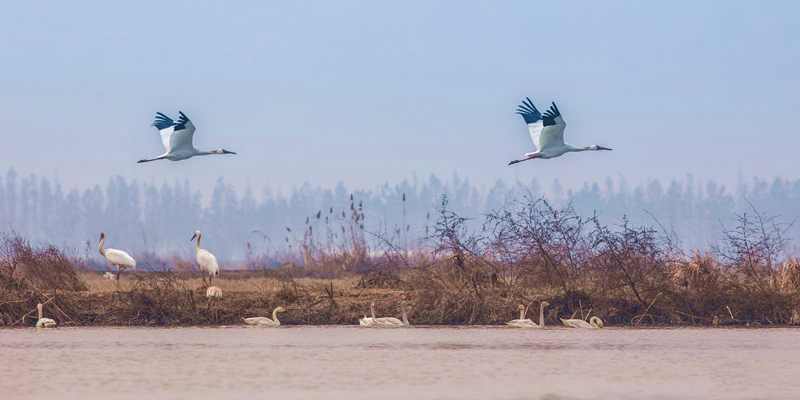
pixel 40 268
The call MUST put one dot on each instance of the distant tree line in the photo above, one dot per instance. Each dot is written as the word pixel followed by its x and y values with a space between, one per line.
pixel 160 218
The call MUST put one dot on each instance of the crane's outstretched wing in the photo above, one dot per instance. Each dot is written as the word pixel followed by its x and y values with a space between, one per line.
pixel 552 135
pixel 533 118
pixel 175 135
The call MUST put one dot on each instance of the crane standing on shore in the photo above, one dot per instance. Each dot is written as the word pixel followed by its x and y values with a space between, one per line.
pixel 206 261
pixel 116 258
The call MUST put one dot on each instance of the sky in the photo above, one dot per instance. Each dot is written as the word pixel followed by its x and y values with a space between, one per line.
pixel 373 92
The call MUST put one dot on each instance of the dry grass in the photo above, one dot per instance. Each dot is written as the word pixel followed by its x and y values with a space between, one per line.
pixel 97 284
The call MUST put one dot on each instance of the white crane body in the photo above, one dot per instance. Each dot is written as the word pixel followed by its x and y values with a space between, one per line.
pixel 116 258
pixel 177 139
pixel 206 261
pixel 547 133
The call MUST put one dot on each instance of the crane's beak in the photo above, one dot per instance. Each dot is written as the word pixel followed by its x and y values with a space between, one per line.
pixel 193 236
pixel 603 148
pixel 227 152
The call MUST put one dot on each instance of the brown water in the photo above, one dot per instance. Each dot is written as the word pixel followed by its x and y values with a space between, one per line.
pixel 407 363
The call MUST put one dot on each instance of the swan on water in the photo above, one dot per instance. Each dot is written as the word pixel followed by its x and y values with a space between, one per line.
pixel 594 322
pixel 528 323
pixel 44 322
pixel 369 321
pixel 386 321
pixel 521 322
pixel 264 321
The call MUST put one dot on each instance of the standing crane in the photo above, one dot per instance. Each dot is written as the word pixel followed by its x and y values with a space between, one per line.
pixel 547 132
pixel 117 258
pixel 206 261
pixel 177 139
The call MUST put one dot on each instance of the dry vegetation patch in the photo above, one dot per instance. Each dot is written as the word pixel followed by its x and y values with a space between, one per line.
pixel 525 254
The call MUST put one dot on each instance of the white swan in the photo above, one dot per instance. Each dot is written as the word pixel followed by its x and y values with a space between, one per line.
pixel 206 261
pixel 44 322
pixel 386 321
pixel 391 321
pixel 521 322
pixel 594 322
pixel 369 321
pixel 527 323
pixel 264 320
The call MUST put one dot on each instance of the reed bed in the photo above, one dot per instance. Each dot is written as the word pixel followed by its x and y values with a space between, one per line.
pixel 528 253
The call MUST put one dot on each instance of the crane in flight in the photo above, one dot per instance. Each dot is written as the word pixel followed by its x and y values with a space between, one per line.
pixel 177 139
pixel 547 132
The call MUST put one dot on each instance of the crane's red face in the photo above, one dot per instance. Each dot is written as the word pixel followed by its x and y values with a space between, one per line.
pixel 102 235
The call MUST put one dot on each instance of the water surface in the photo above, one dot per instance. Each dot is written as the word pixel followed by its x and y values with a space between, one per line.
pixel 408 363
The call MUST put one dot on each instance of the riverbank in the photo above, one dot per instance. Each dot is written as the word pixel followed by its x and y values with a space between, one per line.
pixel 151 299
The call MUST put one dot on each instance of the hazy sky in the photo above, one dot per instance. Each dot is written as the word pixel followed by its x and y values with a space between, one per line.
pixel 370 92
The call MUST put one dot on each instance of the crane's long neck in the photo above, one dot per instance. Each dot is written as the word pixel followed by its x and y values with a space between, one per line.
pixel 541 315
pixel 39 306
pixel 102 241
pixel 405 318
pixel 208 153
pixel 198 243
pixel 576 149
pixel 275 317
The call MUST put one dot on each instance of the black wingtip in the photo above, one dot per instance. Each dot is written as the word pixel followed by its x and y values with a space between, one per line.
pixel 528 111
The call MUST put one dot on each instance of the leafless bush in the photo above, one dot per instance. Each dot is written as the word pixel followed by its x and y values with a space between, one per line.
pixel 42 268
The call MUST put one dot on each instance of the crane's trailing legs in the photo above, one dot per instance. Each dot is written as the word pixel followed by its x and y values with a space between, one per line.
pixel 152 159
pixel 525 159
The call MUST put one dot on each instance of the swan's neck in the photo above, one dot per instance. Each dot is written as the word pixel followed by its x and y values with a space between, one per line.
pixel 541 315
pixel 522 313
pixel 405 318
pixel 593 322
pixel 372 311
pixel 40 311
pixel 102 241
pixel 275 317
